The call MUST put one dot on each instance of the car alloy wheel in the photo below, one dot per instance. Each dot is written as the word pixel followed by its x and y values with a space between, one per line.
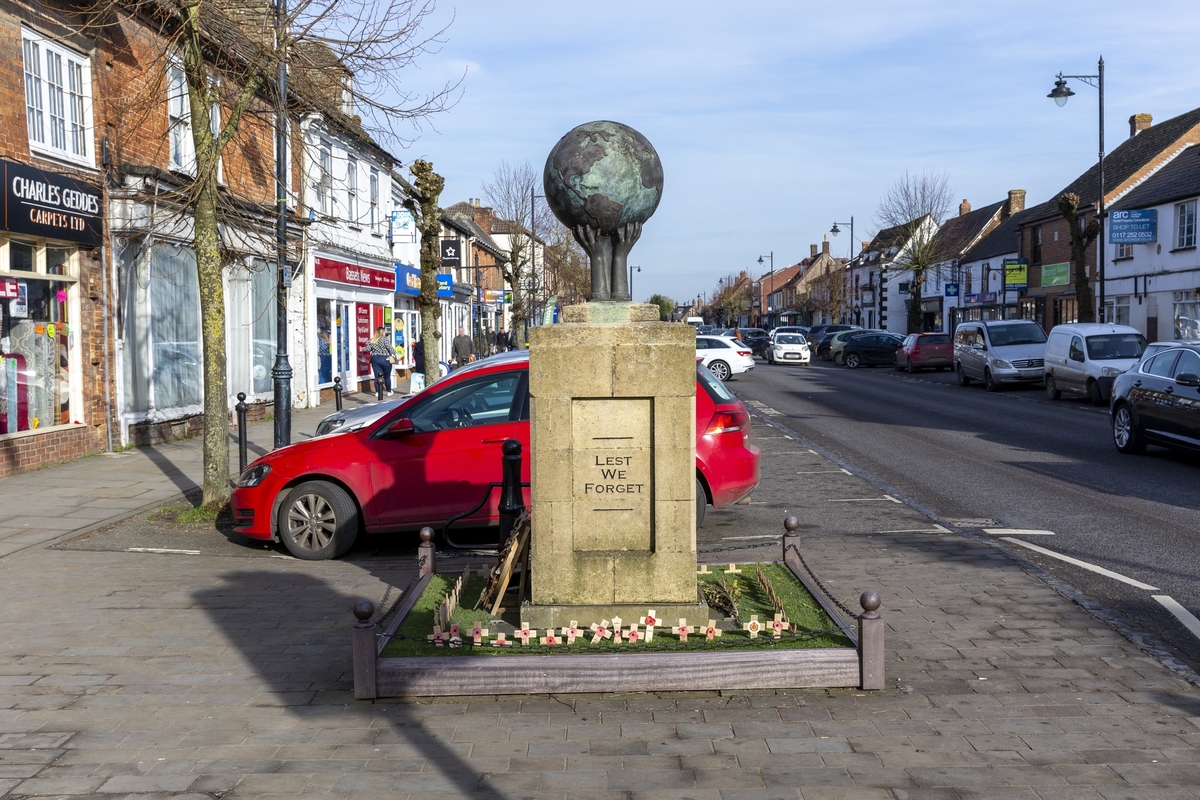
pixel 701 504
pixel 720 369
pixel 990 382
pixel 963 380
pixel 911 370
pixel 318 520
pixel 840 359
pixel 1052 390
pixel 1125 433
pixel 853 361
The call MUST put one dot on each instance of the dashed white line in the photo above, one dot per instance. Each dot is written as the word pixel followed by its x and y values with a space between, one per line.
pixel 934 529
pixel 162 550
pixel 865 500
pixel 822 472
pixel 746 538
pixel 1085 565
pixel 894 500
pixel 1182 614
pixel 1017 532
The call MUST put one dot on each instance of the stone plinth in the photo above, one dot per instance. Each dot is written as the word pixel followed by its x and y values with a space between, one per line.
pixel 613 460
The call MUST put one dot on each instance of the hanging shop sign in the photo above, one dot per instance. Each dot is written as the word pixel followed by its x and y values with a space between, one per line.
pixel 50 206
pixel 951 289
pixel 451 253
pixel 404 227
pixel 1056 274
pixel 445 285
pixel 408 280
pixel 354 274
pixel 1016 274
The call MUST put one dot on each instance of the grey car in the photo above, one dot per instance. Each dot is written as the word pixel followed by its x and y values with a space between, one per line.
pixel 999 352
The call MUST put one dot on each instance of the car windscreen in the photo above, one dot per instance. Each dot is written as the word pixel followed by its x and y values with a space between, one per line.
pixel 789 338
pixel 1109 346
pixel 1017 333
pixel 934 338
pixel 713 387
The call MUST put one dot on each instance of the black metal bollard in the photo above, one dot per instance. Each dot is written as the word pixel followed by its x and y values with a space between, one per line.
pixel 337 393
pixel 512 501
pixel 378 388
pixel 241 408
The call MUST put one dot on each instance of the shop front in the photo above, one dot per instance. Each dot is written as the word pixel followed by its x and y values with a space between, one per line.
pixel 406 315
pixel 49 226
pixel 353 300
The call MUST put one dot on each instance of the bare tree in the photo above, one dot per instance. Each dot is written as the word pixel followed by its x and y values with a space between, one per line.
pixel 915 207
pixel 422 202
pixel 1082 237
pixel 349 59
pixel 567 266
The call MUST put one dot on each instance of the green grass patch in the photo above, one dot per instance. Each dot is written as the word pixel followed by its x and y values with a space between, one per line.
pixel 801 610
pixel 213 514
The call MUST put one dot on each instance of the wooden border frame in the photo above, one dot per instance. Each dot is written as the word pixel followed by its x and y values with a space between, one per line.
pixel 860 666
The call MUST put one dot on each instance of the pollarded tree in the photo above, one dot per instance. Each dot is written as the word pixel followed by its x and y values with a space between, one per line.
pixel 422 201
pixel 915 207
pixel 348 59
pixel 1082 236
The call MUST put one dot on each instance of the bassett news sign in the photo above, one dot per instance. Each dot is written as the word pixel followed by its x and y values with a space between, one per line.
pixel 46 205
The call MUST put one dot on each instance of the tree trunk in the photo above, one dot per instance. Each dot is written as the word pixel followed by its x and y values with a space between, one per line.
pixel 424 207
pixel 1081 238
pixel 212 315
pixel 915 316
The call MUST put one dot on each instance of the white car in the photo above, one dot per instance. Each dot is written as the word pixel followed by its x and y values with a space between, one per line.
pixel 724 356
pixel 789 348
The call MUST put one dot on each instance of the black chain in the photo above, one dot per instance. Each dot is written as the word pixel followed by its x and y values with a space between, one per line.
pixel 820 585
pixel 739 547
pixel 403 594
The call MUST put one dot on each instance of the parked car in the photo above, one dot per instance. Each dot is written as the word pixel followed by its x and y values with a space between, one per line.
pixel 757 339
pixel 999 352
pixel 800 329
pixel 871 350
pixel 725 356
pixel 437 454
pixel 789 348
pixel 822 349
pixel 922 350
pixel 355 417
pixel 838 342
pixel 815 332
pixel 1085 358
pixel 1158 402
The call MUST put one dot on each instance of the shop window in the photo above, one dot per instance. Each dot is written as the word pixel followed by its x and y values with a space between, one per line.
pixel 1185 224
pixel 1035 256
pixel 58 99
pixel 1187 315
pixel 251 344
pixel 1066 310
pixel 20 257
pixel 1116 310
pixel 160 324
pixel 324 342
pixel 179 121
pixel 35 384
pixel 1124 250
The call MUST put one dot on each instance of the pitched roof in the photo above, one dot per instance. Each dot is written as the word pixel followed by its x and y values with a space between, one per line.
pixel 958 233
pixel 1130 156
pixel 1001 240
pixel 1177 180
pixel 465 224
pixel 890 237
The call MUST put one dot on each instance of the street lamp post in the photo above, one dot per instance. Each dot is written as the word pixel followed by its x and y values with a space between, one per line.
pixel 1060 94
pixel 631 269
pixel 771 256
pixel 835 230
pixel 281 371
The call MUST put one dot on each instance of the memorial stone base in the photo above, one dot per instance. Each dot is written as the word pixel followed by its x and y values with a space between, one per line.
pixel 613 467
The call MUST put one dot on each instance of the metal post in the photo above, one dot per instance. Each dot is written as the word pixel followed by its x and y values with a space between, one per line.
pixel 512 501
pixel 1100 207
pixel 337 393
pixel 791 539
pixel 870 643
pixel 364 653
pixel 426 553
pixel 241 409
pixel 281 373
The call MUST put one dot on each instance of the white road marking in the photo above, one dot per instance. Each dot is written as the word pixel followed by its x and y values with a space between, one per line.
pixel 864 500
pixel 162 550
pixel 934 529
pixel 894 500
pixel 1099 570
pixel 1182 614
pixel 746 538
pixel 848 472
pixel 1017 532
pixel 823 472
pixel 814 452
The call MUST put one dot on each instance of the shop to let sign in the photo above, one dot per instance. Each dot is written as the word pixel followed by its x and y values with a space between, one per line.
pixel 8 289
pixel 1135 226
pixel 50 206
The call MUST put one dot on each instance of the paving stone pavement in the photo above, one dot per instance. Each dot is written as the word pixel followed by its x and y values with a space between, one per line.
pixel 171 676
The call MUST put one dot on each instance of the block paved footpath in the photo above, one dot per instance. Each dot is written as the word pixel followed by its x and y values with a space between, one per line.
pixel 160 675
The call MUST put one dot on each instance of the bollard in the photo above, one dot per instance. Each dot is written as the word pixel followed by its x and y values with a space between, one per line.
pixel 337 393
pixel 870 642
pixel 363 648
pixel 378 388
pixel 791 539
pixel 426 555
pixel 512 501
pixel 241 409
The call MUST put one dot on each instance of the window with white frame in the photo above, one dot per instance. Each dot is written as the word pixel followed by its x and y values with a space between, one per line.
pixel 323 188
pixel 352 189
pixel 58 99
pixel 373 219
pixel 1124 250
pixel 1185 224
pixel 179 121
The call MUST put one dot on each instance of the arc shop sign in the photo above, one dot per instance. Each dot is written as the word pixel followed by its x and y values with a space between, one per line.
pixel 46 205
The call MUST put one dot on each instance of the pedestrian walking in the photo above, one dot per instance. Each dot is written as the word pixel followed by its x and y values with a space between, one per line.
pixel 461 348
pixel 383 356
pixel 512 340
pixel 418 352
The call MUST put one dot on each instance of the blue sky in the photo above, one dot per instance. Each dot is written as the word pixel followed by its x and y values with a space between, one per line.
pixel 773 119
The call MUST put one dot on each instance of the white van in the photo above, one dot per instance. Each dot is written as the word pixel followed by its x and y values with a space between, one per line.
pixel 1085 358
pixel 694 321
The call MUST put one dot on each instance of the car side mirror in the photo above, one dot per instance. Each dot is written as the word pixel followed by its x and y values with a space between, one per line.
pixel 1188 379
pixel 400 428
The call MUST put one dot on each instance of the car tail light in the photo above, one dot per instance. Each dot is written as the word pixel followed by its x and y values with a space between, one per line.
pixel 745 352
pixel 728 421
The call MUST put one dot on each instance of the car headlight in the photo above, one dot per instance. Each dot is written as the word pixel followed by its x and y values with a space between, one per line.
pixel 1110 372
pixel 1000 364
pixel 254 475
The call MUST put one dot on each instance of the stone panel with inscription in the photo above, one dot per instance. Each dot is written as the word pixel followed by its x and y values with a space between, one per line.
pixel 613 467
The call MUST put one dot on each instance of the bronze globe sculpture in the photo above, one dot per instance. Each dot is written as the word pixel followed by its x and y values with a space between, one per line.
pixel 603 180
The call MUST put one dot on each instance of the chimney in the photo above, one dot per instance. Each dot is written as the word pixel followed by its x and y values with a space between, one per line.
pixel 812 251
pixel 825 246
pixel 1139 123
pixel 964 208
pixel 1016 202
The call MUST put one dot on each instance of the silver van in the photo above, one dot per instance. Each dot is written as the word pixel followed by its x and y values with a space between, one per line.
pixel 999 352
pixel 1085 358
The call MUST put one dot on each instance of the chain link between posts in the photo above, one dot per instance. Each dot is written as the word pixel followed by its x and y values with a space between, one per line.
pixel 820 585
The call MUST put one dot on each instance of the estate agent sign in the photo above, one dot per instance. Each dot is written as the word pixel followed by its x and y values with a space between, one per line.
pixel 1135 226
pixel 46 205
pixel 1056 274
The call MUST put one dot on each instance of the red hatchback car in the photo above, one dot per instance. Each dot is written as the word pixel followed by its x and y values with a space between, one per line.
pixel 436 455
pixel 921 350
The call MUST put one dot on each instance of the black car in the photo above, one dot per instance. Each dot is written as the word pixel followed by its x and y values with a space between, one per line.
pixel 816 331
pixel 871 349
pixel 758 340
pixel 1158 401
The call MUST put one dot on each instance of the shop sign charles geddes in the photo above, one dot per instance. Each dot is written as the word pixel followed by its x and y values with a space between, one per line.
pixel 50 206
